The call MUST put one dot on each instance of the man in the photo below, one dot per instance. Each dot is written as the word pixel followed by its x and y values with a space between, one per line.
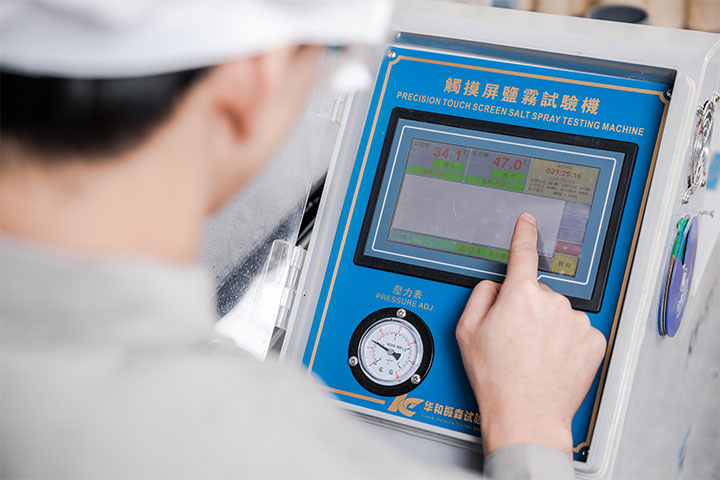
pixel 123 127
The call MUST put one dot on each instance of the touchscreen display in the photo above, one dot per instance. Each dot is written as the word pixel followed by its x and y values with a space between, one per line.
pixel 465 201
pixel 448 191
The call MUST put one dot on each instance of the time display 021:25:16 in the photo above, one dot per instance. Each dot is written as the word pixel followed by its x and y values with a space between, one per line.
pixel 563 173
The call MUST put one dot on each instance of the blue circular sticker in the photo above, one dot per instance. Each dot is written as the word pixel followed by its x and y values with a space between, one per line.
pixel 681 279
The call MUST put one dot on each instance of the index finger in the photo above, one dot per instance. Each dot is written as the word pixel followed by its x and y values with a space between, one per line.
pixel 523 262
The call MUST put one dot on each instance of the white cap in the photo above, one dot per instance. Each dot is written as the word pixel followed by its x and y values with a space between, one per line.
pixel 125 38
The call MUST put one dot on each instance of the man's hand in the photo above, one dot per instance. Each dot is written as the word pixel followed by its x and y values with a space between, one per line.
pixel 529 356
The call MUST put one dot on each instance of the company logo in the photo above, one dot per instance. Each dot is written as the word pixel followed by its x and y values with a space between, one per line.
pixel 404 405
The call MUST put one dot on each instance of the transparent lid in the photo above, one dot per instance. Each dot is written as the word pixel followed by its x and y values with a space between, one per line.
pixel 249 244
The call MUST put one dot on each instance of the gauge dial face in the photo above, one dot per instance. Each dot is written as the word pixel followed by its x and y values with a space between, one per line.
pixel 390 351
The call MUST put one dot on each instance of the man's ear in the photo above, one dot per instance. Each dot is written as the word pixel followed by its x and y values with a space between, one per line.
pixel 242 88
pixel 246 107
pixel 237 89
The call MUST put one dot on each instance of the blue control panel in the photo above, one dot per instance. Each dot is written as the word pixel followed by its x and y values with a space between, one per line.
pixel 454 148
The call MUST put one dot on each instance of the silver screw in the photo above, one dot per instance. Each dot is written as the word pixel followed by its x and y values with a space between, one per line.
pixel 415 379
pixel 391 54
pixel 401 313
pixel 353 361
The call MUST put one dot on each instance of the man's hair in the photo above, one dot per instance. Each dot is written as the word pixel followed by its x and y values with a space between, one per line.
pixel 57 118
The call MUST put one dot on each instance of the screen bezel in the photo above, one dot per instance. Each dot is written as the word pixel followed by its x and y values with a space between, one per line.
pixel 629 150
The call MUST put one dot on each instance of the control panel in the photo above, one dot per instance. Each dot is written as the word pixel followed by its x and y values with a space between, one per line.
pixel 455 146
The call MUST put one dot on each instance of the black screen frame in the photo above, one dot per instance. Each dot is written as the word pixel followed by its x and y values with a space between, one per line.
pixel 630 150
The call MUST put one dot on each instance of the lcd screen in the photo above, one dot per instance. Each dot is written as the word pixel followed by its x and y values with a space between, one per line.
pixel 465 201
pixel 448 192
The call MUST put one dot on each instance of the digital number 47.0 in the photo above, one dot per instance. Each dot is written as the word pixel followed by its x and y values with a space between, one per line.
pixel 506 163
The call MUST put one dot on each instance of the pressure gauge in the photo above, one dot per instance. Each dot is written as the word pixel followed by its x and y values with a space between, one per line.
pixel 391 352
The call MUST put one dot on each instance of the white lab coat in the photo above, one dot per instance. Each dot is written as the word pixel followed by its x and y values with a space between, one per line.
pixel 111 369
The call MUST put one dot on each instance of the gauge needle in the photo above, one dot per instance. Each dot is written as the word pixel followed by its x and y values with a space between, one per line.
pixel 394 354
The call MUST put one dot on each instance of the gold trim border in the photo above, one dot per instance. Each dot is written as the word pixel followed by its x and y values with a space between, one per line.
pixel 631 255
pixel 354 395
pixel 350 213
